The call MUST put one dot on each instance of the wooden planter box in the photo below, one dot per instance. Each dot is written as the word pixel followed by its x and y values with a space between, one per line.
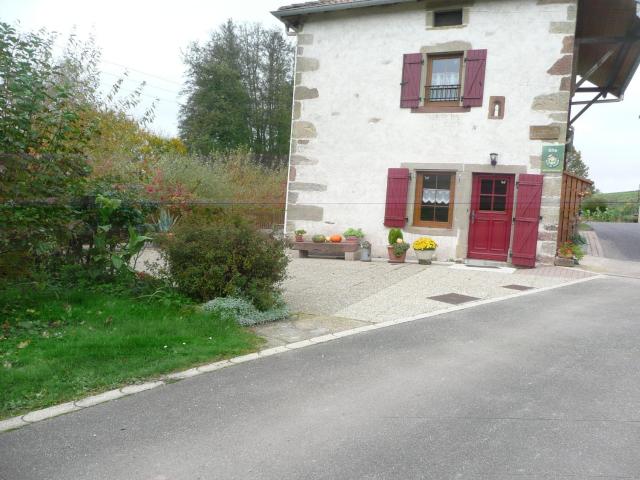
pixel 350 251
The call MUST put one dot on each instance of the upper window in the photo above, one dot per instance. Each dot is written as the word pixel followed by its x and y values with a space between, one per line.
pixel 433 205
pixel 444 74
pixel 435 80
pixel 448 18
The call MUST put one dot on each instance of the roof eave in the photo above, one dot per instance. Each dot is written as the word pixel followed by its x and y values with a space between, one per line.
pixel 293 12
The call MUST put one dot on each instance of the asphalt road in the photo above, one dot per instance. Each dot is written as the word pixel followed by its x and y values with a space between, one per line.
pixel 620 241
pixel 544 386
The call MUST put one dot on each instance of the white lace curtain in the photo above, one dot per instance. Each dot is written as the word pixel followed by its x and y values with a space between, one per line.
pixel 445 78
pixel 435 195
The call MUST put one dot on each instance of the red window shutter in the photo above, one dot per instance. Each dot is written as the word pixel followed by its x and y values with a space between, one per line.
pixel 411 74
pixel 396 207
pixel 525 232
pixel 476 63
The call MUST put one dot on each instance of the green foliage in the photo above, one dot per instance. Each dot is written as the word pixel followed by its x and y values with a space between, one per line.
pixel 612 207
pixel 570 250
pixel 395 234
pixel 353 232
pixel 244 312
pixel 576 165
pixel 165 221
pixel 51 113
pixel 239 92
pixel 225 178
pixel 300 232
pixel 399 248
pixel 578 239
pixel 625 213
pixel 619 198
pixel 40 113
pixel 36 214
pixel 216 255
pixel 593 203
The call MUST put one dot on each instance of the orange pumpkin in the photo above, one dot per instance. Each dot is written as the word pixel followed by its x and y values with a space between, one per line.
pixel 335 238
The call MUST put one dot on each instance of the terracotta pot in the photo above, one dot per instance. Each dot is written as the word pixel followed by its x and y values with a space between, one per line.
pixel 424 256
pixel 351 239
pixel 299 238
pixel 393 258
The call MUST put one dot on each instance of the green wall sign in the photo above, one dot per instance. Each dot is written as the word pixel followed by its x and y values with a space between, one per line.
pixel 553 158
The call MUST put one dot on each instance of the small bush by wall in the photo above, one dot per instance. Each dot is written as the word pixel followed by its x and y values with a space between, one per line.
pixel 244 312
pixel 214 254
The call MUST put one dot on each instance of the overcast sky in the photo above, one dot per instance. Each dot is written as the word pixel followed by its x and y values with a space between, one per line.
pixel 147 39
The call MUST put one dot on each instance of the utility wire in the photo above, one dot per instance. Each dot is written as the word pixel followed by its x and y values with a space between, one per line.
pixel 143 72
pixel 147 84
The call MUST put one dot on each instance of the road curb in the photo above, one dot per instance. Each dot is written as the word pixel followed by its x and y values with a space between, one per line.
pixel 87 402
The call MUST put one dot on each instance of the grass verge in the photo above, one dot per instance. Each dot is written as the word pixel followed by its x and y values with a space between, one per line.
pixel 60 344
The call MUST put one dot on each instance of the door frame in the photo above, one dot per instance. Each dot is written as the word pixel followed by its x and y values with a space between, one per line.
pixel 474 208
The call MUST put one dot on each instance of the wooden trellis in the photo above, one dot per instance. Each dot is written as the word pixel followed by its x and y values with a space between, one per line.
pixel 574 189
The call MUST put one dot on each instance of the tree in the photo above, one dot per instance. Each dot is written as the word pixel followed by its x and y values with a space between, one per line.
pixel 239 92
pixel 42 139
pixel 54 126
pixel 576 165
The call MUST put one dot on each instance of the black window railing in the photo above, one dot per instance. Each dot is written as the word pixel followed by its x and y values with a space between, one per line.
pixel 443 93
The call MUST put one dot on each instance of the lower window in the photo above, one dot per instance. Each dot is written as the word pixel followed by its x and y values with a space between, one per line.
pixel 433 206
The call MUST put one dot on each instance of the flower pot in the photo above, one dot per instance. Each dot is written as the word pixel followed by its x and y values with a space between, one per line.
pixel 561 261
pixel 424 256
pixel 299 238
pixel 392 256
pixel 351 239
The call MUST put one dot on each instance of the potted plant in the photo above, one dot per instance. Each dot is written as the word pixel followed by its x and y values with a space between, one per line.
pixel 299 235
pixel 353 235
pixel 424 248
pixel 568 255
pixel 365 254
pixel 397 248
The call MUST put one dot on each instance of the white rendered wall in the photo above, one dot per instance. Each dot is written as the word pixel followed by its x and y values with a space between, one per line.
pixel 361 131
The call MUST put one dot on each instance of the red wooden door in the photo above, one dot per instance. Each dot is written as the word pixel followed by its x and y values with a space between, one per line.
pixel 490 217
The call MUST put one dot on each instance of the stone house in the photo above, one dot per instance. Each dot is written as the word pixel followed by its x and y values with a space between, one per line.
pixel 433 116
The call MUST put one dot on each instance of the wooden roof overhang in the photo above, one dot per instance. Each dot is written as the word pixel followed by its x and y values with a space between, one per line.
pixel 606 51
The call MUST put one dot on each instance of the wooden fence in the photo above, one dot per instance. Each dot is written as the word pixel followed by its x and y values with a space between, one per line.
pixel 574 189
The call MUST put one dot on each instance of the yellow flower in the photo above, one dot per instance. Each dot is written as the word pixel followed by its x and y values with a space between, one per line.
pixel 424 243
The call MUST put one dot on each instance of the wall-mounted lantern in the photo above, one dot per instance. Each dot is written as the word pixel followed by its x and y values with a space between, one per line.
pixel 494 159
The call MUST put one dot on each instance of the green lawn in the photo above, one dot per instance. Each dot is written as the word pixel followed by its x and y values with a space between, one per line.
pixel 62 344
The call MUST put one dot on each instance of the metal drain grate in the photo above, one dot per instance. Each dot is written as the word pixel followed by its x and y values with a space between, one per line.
pixel 454 298
pixel 517 287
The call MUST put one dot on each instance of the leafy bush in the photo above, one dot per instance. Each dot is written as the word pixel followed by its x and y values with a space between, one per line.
pixel 570 250
pixel 244 312
pixel 578 239
pixel 395 234
pixel 215 254
pixel 399 248
pixel 593 203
